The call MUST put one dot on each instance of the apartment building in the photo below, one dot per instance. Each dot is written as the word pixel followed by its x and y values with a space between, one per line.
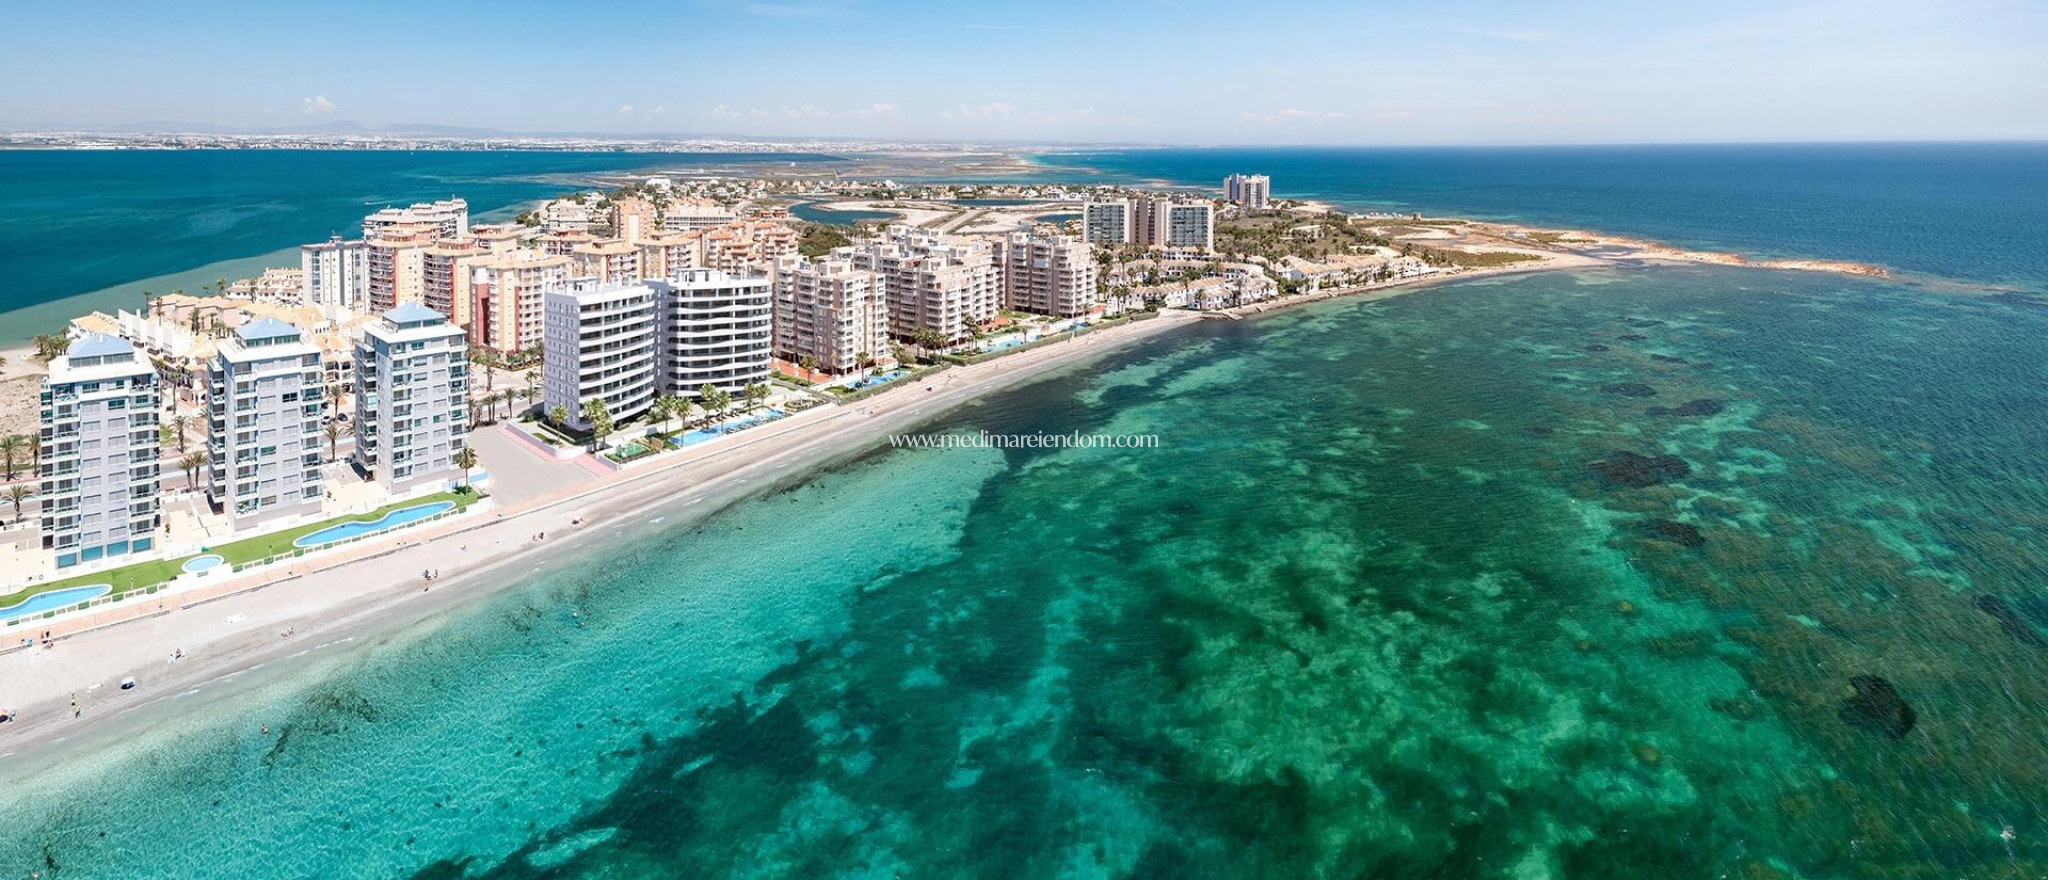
pixel 714 330
pixel 263 424
pixel 599 345
pixel 564 243
pixel 626 342
pixel 500 238
pixel 829 311
pixel 333 273
pixel 941 284
pixel 394 266
pixel 633 217
pixel 1163 222
pixel 412 403
pixel 505 293
pixel 444 277
pixel 98 474
pixel 1106 222
pixel 449 218
pixel 665 254
pixel 611 260
pixel 1253 192
pixel 745 245
pixel 696 215
pixel 1047 274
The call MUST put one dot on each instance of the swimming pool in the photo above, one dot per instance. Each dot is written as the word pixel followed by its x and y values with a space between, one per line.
pixel 358 529
pixel 54 600
pixel 723 428
pixel 872 381
pixel 201 563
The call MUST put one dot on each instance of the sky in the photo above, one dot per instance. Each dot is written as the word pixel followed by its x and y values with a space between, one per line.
pixel 1096 71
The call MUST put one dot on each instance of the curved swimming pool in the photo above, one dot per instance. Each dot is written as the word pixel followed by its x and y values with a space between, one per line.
pixel 201 563
pixel 392 520
pixel 54 599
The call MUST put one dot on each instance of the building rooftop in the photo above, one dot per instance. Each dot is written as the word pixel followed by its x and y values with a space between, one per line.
pixel 267 329
pixel 412 313
pixel 99 345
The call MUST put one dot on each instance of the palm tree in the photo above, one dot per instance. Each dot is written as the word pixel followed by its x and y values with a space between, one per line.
pixel 665 406
pixel 35 451
pixel 9 446
pixel 707 397
pixel 334 396
pixel 18 493
pixel 334 431
pixel 510 395
pixel 191 464
pixel 465 458
pixel 49 346
pixel 558 414
pixel 863 361
pixel 600 419
pixel 532 382
pixel 757 394
pixel 179 422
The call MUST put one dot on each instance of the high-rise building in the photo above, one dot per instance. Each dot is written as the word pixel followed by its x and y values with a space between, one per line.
pixel 625 343
pixel 1047 274
pixel 412 397
pixel 696 215
pixel 831 312
pixel 263 423
pixel 394 265
pixel 599 345
pixel 333 273
pixel 1107 222
pixel 715 330
pixel 1159 221
pixel 666 254
pixel 98 472
pixel 505 297
pixel 449 217
pixel 444 277
pixel 612 260
pixel 1252 191
pixel 934 283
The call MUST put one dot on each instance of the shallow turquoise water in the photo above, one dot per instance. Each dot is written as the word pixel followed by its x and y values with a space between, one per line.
pixel 1391 599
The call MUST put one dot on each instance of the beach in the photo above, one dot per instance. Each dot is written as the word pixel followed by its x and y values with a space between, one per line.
pixel 378 590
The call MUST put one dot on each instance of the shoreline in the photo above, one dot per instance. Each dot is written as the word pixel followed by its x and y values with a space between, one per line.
pixel 369 597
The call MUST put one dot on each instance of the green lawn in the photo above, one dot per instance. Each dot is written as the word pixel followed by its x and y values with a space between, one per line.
pixel 157 571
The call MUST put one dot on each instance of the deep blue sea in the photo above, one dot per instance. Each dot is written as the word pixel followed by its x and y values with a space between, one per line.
pixel 1974 212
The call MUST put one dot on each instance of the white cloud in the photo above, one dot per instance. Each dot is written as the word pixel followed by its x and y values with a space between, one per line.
pixel 996 110
pixel 318 105
pixel 1292 114
pixel 723 112
pixel 625 109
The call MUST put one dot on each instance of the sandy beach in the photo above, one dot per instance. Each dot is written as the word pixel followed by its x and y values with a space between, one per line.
pixel 352 600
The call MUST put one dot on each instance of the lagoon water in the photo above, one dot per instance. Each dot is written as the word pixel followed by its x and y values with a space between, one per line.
pixel 1658 572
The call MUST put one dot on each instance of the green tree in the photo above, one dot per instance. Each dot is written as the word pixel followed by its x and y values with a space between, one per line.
pixel 49 346
pixel 667 406
pixel 558 414
pixel 179 423
pixel 600 418
pixel 18 493
pixel 334 431
pixel 465 458
pixel 757 394
pixel 191 464
pixel 10 446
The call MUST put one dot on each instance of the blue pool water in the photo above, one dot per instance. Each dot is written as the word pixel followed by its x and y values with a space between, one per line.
pixel 879 379
pixel 723 428
pixel 53 600
pixel 1006 342
pixel 201 563
pixel 390 520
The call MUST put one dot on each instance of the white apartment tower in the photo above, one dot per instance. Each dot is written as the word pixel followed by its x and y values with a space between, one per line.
pixel 1107 222
pixel 714 330
pixel 334 273
pixel 624 343
pixel 934 283
pixel 98 472
pixel 1251 191
pixel 263 424
pixel 598 344
pixel 831 312
pixel 412 397
pixel 1047 274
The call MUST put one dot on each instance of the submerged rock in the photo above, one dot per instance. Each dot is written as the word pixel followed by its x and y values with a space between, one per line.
pixel 1643 322
pixel 1538 430
pixel 1667 358
pixel 1877 707
pixel 1632 337
pixel 1629 389
pixel 1701 407
pixel 2009 620
pixel 1597 347
pixel 1676 532
pixel 1636 470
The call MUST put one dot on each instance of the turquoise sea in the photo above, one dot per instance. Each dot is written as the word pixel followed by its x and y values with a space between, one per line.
pixel 1643 572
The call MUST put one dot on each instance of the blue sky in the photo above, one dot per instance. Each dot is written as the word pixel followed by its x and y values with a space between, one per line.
pixel 1153 71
